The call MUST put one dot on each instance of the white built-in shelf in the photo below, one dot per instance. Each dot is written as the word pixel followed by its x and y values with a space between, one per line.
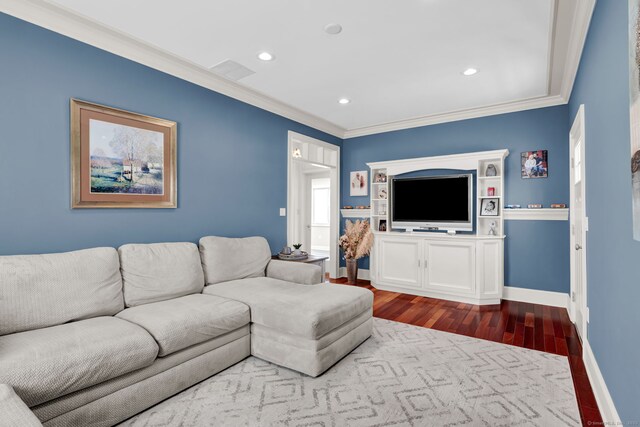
pixel 489 197
pixel 355 213
pixel 379 200
pixel 490 177
pixel 545 214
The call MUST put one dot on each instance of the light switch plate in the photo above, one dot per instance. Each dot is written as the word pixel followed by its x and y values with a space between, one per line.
pixel 283 211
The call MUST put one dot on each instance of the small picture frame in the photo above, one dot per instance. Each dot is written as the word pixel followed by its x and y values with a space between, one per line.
pixel 359 183
pixel 490 207
pixel 380 177
pixel 534 164
pixel 382 226
pixel 382 193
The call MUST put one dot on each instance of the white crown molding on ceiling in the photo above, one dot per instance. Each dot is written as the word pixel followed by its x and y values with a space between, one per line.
pixel 62 21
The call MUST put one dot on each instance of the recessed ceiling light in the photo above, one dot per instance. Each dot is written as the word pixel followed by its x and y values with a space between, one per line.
pixel 470 71
pixel 265 56
pixel 344 101
pixel 333 29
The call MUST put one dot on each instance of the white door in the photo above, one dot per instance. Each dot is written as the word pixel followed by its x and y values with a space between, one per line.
pixel 450 267
pixel 578 306
pixel 400 262
pixel 317 237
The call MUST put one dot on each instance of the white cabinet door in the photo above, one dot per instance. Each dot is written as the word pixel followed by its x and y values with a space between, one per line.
pixel 399 262
pixel 450 267
pixel 490 269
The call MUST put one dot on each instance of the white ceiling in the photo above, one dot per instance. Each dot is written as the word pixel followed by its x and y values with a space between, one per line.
pixel 400 63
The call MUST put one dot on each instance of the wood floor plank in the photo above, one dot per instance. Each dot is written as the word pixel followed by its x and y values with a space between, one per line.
pixel 526 325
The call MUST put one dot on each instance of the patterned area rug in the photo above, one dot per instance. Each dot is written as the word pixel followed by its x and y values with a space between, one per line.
pixel 403 375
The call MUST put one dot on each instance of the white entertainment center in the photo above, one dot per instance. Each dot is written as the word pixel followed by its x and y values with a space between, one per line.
pixel 463 267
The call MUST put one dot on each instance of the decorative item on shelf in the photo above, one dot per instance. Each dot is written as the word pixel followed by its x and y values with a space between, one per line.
pixel 383 209
pixel 383 225
pixel 491 170
pixel 490 207
pixel 534 206
pixel 121 159
pixel 286 250
pixel 362 207
pixel 296 153
pixel 534 164
pixel 297 251
pixel 347 207
pixel 558 206
pixel 356 242
pixel 491 191
pixel 359 183
pixel 380 177
pixel 382 193
pixel 492 228
pixel 513 207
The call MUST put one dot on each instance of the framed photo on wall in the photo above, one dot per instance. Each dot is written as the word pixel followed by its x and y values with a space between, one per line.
pixel 359 183
pixel 121 159
pixel 490 207
pixel 535 164
pixel 634 108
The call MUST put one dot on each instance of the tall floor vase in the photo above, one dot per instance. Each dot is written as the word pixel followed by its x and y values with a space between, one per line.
pixel 352 271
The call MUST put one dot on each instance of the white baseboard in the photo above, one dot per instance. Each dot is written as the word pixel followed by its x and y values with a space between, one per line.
pixel 554 299
pixel 603 398
pixel 363 274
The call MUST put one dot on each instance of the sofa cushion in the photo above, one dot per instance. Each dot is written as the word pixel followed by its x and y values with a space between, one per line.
pixel 306 311
pixel 37 291
pixel 182 322
pixel 47 363
pixel 160 271
pixel 225 259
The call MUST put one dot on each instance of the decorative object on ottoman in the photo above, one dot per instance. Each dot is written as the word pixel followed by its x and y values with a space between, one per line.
pixel 356 242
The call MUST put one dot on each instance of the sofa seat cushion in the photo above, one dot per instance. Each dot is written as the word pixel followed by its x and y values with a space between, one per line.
pixel 44 364
pixel 305 311
pixel 182 322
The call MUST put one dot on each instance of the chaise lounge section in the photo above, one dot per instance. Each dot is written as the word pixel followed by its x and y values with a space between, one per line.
pixel 93 337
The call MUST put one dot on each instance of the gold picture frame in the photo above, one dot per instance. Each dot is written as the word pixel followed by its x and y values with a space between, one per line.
pixel 121 159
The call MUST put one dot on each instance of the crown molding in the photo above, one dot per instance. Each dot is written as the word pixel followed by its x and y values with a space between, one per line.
pixel 579 30
pixel 67 23
pixel 70 24
pixel 454 116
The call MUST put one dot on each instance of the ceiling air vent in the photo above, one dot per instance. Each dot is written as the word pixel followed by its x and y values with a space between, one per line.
pixel 231 70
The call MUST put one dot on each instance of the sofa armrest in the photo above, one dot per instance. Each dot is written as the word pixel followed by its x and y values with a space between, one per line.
pixel 296 272
pixel 15 413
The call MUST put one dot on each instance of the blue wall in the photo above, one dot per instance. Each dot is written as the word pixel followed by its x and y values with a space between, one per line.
pixel 537 252
pixel 231 156
pixel 613 256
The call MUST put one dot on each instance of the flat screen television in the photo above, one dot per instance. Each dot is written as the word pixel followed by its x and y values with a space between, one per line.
pixel 432 203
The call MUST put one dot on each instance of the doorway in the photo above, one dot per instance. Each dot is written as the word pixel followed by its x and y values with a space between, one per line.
pixel 579 226
pixel 313 183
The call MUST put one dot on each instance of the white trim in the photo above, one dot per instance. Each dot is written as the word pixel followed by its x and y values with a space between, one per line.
pixel 334 175
pixel 600 390
pixel 363 273
pixel 537 214
pixel 64 21
pixel 534 296
pixel 355 213
pixel 453 116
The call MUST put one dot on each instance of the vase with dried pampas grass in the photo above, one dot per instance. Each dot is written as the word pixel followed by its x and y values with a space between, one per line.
pixel 356 242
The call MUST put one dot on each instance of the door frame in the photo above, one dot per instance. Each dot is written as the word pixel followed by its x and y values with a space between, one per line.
pixel 578 132
pixel 334 175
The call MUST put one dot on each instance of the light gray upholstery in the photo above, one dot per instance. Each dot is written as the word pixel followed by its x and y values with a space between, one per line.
pixel 312 363
pixel 306 311
pixel 182 322
pixel 37 291
pixel 13 411
pixel 54 408
pixel 47 363
pixel 160 271
pixel 295 272
pixel 128 401
pixel 225 259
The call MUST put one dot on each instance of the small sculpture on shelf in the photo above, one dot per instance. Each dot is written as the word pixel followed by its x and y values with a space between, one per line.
pixel 492 228
pixel 491 170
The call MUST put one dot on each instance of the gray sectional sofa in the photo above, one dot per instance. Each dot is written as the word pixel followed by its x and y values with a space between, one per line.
pixel 92 337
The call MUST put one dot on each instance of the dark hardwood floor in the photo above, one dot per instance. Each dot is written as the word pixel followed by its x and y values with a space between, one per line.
pixel 533 326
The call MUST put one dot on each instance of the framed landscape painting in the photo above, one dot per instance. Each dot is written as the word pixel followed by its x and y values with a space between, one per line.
pixel 634 86
pixel 121 159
